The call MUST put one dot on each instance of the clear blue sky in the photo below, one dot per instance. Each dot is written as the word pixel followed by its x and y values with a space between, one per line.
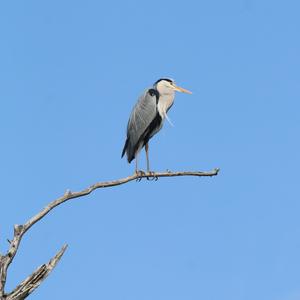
pixel 70 72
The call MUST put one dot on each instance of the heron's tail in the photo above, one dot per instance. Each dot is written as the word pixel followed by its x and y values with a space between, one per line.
pixel 128 150
pixel 125 147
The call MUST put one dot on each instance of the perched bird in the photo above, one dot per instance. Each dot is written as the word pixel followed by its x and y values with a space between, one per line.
pixel 147 117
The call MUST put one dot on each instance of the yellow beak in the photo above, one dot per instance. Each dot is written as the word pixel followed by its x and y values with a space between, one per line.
pixel 180 89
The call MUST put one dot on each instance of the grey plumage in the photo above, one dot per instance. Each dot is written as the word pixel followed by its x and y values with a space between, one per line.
pixel 143 114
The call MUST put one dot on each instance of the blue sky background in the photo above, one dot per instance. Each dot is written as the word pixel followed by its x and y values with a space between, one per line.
pixel 70 72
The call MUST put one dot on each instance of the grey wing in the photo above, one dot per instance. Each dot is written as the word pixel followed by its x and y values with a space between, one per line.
pixel 141 117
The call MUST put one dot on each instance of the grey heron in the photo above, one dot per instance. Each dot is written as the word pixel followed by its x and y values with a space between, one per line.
pixel 147 117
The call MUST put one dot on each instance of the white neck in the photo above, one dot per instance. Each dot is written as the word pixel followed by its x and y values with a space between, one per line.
pixel 164 103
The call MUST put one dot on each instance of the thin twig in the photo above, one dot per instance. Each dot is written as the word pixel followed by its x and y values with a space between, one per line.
pixel 71 195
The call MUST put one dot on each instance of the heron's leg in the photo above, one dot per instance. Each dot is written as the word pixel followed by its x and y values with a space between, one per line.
pixel 148 163
pixel 147 156
pixel 136 163
pixel 138 172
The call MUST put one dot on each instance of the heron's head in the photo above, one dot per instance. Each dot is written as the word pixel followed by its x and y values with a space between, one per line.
pixel 168 86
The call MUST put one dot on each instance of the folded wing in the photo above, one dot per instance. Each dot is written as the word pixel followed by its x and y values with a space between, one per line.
pixel 143 123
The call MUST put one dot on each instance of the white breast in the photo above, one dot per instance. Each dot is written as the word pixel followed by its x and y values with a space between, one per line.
pixel 164 103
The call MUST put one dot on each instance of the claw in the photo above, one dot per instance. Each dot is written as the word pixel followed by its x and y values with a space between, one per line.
pixel 140 175
pixel 152 175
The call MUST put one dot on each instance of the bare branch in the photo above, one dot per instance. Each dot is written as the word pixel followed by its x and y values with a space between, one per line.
pixel 33 281
pixel 3 272
pixel 72 195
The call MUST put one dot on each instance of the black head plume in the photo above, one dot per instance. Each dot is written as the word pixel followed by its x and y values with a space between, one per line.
pixel 166 79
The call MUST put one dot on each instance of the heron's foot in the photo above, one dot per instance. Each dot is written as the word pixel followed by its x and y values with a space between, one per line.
pixel 151 176
pixel 140 174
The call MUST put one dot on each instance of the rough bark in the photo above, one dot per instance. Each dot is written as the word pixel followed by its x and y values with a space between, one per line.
pixel 27 286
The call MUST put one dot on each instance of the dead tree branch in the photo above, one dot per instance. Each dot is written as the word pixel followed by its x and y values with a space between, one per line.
pixel 26 287
pixel 35 279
